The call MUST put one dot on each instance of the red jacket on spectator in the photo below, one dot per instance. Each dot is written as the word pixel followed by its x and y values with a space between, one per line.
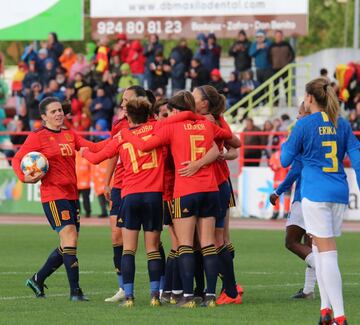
pixel 136 58
pixel 121 48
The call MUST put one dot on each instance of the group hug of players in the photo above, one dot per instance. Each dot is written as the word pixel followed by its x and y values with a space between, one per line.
pixel 168 168
pixel 173 171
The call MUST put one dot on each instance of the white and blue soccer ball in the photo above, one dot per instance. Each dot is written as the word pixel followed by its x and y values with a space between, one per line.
pixel 34 163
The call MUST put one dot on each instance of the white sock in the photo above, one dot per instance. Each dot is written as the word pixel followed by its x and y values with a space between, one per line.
pixel 331 276
pixel 310 260
pixel 310 280
pixel 325 302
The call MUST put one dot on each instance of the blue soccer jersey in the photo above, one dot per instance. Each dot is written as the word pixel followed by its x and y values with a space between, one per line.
pixel 322 148
pixel 293 175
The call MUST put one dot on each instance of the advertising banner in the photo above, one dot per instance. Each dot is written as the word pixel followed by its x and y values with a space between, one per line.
pixel 187 18
pixel 256 184
pixel 19 198
pixel 22 20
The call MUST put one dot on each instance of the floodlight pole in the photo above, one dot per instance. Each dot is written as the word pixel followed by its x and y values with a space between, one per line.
pixel 356 24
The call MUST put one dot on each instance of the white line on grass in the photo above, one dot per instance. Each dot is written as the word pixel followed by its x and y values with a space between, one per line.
pixel 51 295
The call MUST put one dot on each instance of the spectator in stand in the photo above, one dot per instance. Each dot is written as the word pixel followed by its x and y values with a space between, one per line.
pixel 217 81
pixel 67 59
pixel 49 73
pixel 324 73
pixel 32 104
pixel 248 84
pixel 6 147
pixel 127 79
pixel 31 76
pixel 259 51
pixel 102 58
pixel 30 54
pixel 84 95
pixel 203 54
pixel 198 74
pixel 101 107
pixel 252 140
pixel 268 139
pixel 71 98
pixel 17 80
pixel 121 48
pixel 21 126
pixel 354 119
pixel 52 90
pixel 185 53
pixel 2 65
pixel 136 60
pixel 240 51
pixel 178 70
pixel 4 91
pixel 151 48
pixel 90 49
pixel 79 123
pixel 61 78
pixel 109 86
pixel 41 61
pixel 80 66
pixel 160 71
pixel 285 123
pixel 83 176
pixel 215 51
pixel 79 81
pixel 114 69
pixel 233 94
pixel 54 48
pixel 280 55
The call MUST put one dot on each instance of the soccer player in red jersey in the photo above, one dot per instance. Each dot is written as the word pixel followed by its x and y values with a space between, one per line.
pixel 58 191
pixel 196 201
pixel 211 104
pixel 116 171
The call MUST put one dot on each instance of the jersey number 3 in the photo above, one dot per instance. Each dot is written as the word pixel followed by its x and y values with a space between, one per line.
pixel 331 155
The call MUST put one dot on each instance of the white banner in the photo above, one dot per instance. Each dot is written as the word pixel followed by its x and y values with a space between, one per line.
pixel 256 184
pixel 191 8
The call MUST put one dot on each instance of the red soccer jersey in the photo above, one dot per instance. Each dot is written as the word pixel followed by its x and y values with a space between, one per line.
pixel 169 174
pixel 189 141
pixel 59 148
pixel 221 168
pixel 119 169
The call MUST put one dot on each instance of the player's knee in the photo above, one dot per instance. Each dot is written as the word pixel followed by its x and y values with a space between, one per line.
pixel 116 238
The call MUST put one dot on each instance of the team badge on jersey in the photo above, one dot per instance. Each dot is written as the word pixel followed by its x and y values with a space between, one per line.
pixel 65 215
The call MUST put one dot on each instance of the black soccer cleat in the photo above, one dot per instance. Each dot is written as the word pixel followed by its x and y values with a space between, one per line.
pixel 209 301
pixel 301 295
pixel 35 286
pixel 77 295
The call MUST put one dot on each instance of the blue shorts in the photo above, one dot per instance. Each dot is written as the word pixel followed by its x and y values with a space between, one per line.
pixel 142 209
pixel 168 207
pixel 115 197
pixel 61 213
pixel 232 196
pixel 224 196
pixel 203 205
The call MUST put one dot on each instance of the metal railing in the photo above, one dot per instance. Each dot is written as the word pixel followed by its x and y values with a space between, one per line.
pixel 269 92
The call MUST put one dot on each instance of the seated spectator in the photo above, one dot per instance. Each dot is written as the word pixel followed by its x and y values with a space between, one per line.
pixel 114 69
pixel 78 122
pixel 217 81
pixel 67 59
pixel 41 60
pixel 248 84
pixel 240 51
pixel 6 147
pixel 101 107
pixel 80 66
pixel 285 123
pixel 52 90
pixel 198 74
pixel 233 92
pixel 49 73
pixel 17 80
pixel 136 60
pixel 31 76
pixel 160 71
pixel 127 79
pixel 79 81
pixel 32 104
pixel 61 78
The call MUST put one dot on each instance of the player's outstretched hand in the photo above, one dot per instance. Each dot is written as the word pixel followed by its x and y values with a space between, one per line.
pixel 273 198
pixel 191 167
pixel 107 191
pixel 33 179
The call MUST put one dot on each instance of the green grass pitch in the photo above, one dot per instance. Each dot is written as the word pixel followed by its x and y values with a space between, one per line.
pixel 266 270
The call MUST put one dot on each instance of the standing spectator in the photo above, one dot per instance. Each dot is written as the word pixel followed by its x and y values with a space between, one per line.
pixel 54 48
pixel 252 140
pixel 49 73
pixel 52 90
pixel 61 78
pixel 30 54
pixel 233 94
pixel 160 69
pixel 114 69
pixel 102 56
pixel 215 51
pixel 259 51
pixel 41 61
pixel 136 60
pixel 80 66
pixel 31 76
pixel 198 74
pixel 203 53
pixel 74 102
pixel 101 107
pixel 32 104
pixel 152 47
pixel 185 53
pixel 240 51
pixel 217 81
pixel 280 54
pixel 109 85
pixel 67 59
pixel 121 48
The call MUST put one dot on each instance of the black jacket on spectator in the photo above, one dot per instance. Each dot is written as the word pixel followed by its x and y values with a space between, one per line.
pixel 219 85
pixel 234 91
pixel 159 76
pixel 202 77
pixel 240 51
pixel 30 77
pixel 178 69
pixel 280 54
pixel 32 106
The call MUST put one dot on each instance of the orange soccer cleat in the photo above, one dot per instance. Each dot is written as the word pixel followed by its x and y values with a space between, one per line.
pixel 224 299
pixel 239 289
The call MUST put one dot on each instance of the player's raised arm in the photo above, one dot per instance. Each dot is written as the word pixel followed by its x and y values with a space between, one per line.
pixel 109 151
pixel 93 146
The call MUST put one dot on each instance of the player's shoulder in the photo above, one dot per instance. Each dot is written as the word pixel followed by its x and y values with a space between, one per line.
pixel 39 130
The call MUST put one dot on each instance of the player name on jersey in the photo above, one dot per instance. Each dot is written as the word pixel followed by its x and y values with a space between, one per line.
pixel 327 130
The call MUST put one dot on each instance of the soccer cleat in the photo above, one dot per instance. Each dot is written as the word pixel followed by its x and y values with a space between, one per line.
pixel 166 297
pixel 209 301
pixel 117 297
pixel 186 302
pixel 301 295
pixel 77 295
pixel 286 215
pixel 340 321
pixel 326 317
pixel 275 216
pixel 175 297
pixel 35 286
pixel 155 300
pixel 239 289
pixel 128 303
pixel 224 299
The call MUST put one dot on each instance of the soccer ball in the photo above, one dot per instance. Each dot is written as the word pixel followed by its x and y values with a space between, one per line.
pixel 34 163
